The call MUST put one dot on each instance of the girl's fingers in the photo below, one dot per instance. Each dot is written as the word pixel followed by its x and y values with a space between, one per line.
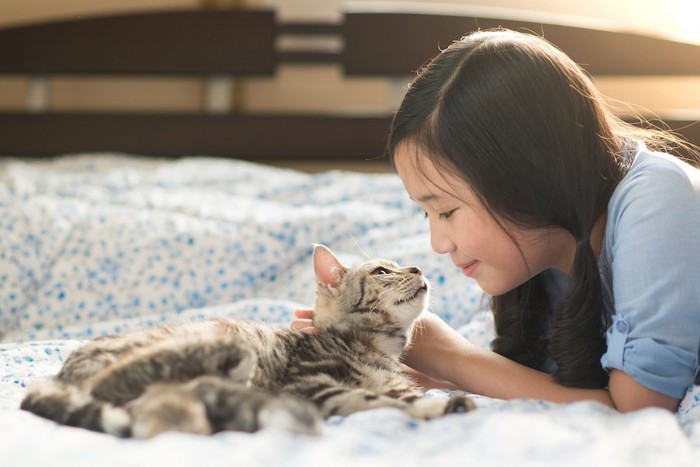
pixel 304 321
pixel 305 325
pixel 304 313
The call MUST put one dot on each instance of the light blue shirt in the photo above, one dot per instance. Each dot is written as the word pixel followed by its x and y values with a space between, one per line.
pixel 650 268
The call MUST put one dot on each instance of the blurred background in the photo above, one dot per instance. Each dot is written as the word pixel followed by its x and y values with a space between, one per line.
pixel 292 89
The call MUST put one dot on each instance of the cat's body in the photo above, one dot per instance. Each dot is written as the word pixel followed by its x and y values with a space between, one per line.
pixel 223 374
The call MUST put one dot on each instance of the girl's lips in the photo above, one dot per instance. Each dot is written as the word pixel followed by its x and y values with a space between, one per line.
pixel 470 268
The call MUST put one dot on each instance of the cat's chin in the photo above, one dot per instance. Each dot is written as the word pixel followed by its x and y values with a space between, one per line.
pixel 420 293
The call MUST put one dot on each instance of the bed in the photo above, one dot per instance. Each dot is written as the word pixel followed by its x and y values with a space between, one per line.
pixel 111 222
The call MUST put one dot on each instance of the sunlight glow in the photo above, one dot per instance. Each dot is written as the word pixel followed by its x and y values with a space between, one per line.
pixel 688 18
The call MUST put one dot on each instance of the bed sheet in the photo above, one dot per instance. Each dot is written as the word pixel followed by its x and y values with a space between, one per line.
pixel 97 244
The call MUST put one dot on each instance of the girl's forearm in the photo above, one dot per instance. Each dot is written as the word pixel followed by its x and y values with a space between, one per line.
pixel 482 371
pixel 442 353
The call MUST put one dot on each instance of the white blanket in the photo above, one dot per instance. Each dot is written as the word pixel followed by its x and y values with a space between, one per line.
pixel 100 244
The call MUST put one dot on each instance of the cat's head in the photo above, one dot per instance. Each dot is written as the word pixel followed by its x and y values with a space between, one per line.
pixel 377 294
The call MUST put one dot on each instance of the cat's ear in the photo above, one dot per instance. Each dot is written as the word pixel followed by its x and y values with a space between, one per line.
pixel 329 270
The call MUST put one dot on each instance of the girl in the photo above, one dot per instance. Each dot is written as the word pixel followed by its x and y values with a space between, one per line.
pixel 586 240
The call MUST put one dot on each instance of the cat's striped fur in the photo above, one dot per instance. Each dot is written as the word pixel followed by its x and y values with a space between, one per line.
pixel 223 374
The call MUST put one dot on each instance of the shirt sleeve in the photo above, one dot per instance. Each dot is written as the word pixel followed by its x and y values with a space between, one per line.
pixel 653 249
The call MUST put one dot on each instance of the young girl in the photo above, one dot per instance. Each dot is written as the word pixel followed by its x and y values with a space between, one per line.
pixel 586 240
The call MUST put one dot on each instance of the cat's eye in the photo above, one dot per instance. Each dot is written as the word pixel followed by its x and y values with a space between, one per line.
pixel 380 270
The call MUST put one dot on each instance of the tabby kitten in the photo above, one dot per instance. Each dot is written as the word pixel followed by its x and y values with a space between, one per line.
pixel 222 374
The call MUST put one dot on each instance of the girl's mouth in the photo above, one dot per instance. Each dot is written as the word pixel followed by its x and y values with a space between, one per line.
pixel 470 268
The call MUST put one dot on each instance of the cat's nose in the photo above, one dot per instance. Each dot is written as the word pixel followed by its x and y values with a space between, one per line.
pixel 416 270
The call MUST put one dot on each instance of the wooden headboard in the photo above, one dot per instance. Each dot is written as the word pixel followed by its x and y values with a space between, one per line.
pixel 244 43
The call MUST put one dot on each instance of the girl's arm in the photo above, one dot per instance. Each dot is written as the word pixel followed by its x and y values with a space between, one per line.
pixel 441 353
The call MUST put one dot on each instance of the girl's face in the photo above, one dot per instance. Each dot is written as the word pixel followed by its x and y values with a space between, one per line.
pixel 462 226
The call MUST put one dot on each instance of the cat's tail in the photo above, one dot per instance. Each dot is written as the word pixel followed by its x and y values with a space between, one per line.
pixel 70 406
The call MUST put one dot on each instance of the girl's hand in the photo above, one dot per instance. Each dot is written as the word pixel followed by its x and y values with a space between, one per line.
pixel 432 351
pixel 304 321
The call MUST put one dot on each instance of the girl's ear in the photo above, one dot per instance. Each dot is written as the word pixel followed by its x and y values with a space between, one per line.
pixel 329 270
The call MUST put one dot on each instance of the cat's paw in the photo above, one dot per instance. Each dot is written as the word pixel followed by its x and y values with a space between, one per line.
pixel 167 407
pixel 293 415
pixel 116 421
pixel 459 404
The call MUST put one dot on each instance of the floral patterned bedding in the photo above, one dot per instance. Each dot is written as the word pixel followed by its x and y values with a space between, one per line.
pixel 96 244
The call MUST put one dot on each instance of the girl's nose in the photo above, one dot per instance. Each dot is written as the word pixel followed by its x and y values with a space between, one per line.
pixel 440 242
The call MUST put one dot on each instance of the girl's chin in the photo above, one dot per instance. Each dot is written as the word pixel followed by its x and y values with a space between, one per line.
pixel 491 287
pixel 494 288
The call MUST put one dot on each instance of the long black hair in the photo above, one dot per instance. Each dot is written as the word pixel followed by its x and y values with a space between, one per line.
pixel 526 129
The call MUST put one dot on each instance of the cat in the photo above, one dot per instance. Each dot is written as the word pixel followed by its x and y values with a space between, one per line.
pixel 223 374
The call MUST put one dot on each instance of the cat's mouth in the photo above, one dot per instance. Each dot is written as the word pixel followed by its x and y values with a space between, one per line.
pixel 419 291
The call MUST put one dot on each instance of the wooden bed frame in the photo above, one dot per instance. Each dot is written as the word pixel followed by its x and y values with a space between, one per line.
pixel 243 43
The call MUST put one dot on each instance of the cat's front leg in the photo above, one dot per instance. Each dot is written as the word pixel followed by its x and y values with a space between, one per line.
pixel 340 400
pixel 175 361
pixel 427 408
pixel 404 389
pixel 335 400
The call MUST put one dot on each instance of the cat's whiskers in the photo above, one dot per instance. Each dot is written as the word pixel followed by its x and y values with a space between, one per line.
pixel 418 329
pixel 362 250
pixel 377 304
pixel 380 297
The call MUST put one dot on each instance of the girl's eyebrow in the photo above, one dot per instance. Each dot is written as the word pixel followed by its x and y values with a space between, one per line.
pixel 425 198
pixel 429 197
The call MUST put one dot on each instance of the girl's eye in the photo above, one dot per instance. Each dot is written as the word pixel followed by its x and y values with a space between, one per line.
pixel 380 270
pixel 442 215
